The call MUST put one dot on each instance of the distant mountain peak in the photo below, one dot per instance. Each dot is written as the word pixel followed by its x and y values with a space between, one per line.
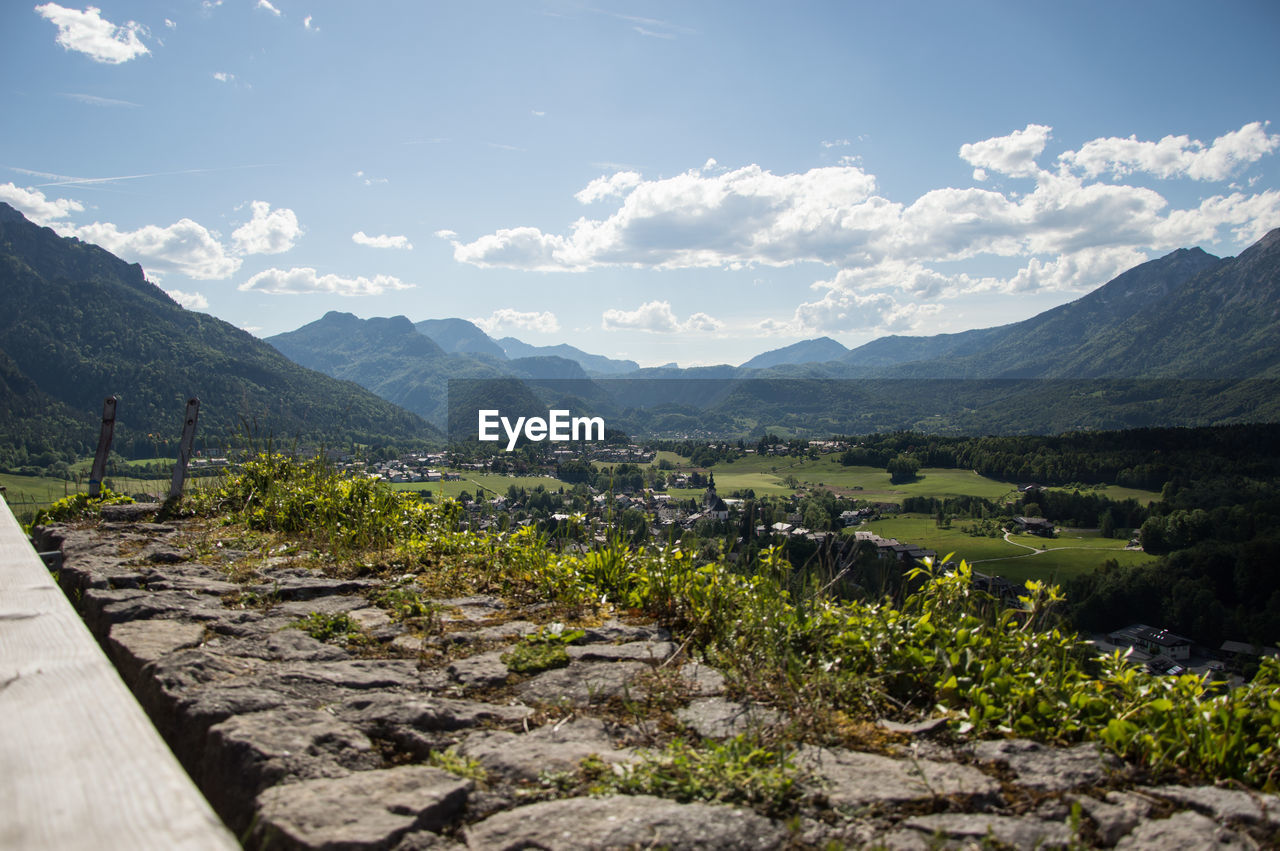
pixel 818 350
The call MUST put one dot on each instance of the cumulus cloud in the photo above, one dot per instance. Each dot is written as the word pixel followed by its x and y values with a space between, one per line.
pixel 191 301
pixel 840 311
pixel 514 248
pixel 268 232
pixel 224 77
pixel 733 218
pixel 381 241
pixel 89 33
pixel 1175 156
pixel 657 317
pixel 308 26
pixel 604 187
pixel 266 6
pixel 33 204
pixel 1071 231
pixel 543 322
pixel 303 280
pixel 1014 155
pixel 185 247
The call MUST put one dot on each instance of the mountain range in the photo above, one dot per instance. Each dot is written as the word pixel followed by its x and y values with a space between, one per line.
pixel 1183 339
pixel 1186 339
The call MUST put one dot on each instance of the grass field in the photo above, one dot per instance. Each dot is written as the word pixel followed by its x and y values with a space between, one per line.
pixel 1121 493
pixel 1070 554
pixel 768 475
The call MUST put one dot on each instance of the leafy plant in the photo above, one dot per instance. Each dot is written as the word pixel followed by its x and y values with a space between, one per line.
pixel 455 763
pixel 79 505
pixel 739 770
pixel 322 627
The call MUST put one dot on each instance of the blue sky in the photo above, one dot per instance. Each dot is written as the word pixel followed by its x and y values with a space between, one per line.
pixel 693 182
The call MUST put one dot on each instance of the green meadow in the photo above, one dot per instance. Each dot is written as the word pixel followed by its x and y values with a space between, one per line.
pixel 1022 557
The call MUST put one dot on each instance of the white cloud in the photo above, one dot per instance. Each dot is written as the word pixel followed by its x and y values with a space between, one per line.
pixel 191 301
pixel 543 322
pixel 657 317
pixel 369 181
pixel 170 24
pixel 265 5
pixel 303 280
pixel 224 77
pixel 1073 227
pixel 381 241
pixel 1175 156
pixel 33 204
pixel 1014 155
pixel 185 247
pixel 840 311
pixel 88 33
pixel 514 248
pixel 268 232
pixel 734 218
pixel 1083 269
pixel 604 187
pixel 308 26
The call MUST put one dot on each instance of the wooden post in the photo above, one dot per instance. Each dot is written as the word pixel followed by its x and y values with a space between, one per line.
pixel 184 449
pixel 99 471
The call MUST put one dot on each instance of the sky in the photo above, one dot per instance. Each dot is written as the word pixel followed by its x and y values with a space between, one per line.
pixel 690 182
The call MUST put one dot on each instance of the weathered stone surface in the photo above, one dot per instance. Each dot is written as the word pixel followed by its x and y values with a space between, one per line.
pixel 1117 815
pixel 555 747
pixel 705 680
pixel 502 631
pixel 1231 805
pixel 129 512
pixel 296 584
pixel 324 679
pixel 1013 831
pixel 857 779
pixel 478 607
pixel 1184 831
pixel 363 810
pixel 640 821
pixel 582 683
pixel 285 645
pixel 337 604
pixel 408 644
pixel 484 669
pixel 717 718
pixel 425 840
pixel 105 607
pixel 1045 768
pixel 248 753
pixel 138 643
pixel 371 618
pixel 381 711
pixel 649 652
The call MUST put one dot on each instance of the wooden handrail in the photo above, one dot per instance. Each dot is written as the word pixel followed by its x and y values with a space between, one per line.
pixel 81 766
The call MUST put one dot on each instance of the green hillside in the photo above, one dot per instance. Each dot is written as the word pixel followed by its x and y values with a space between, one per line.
pixel 78 324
